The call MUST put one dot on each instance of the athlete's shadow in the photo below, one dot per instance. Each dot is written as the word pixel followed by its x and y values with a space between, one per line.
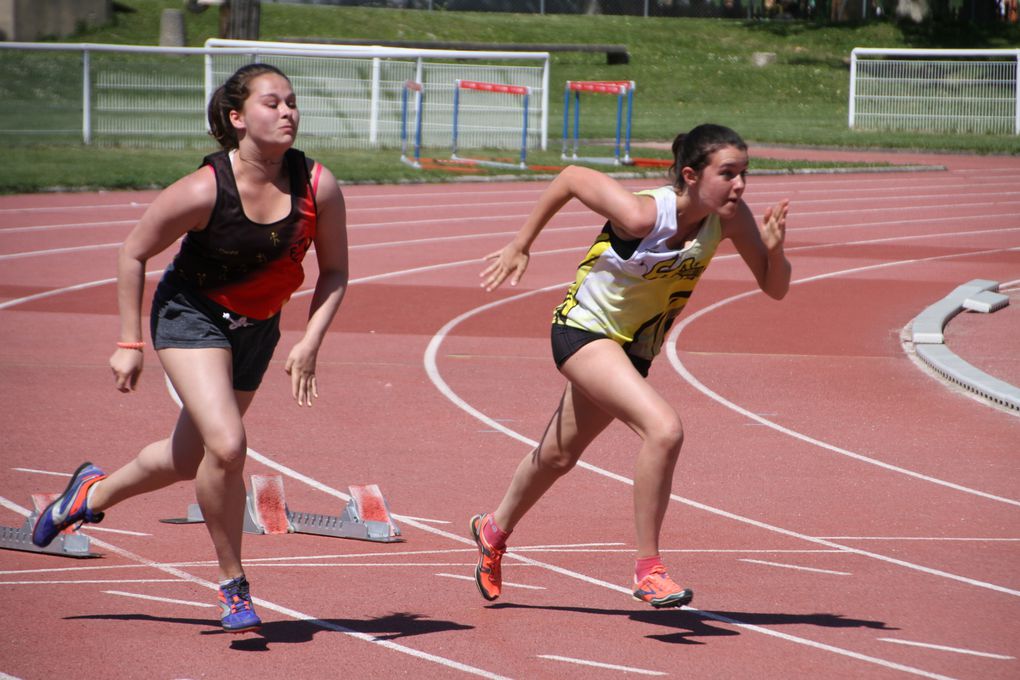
pixel 695 624
pixel 390 627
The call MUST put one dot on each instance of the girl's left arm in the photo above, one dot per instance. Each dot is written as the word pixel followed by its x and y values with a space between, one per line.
pixel 330 287
pixel 761 246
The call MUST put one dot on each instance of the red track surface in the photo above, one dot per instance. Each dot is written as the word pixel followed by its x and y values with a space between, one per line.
pixel 838 511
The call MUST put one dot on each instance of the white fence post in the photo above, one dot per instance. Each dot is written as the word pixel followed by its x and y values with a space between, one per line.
pixel 1016 89
pixel 853 86
pixel 373 116
pixel 86 97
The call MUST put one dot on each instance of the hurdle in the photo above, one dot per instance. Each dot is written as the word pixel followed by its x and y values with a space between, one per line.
pixel 491 87
pixel 366 516
pixel 624 90
pixel 419 96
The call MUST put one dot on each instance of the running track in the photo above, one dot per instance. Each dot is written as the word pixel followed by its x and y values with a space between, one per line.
pixel 839 512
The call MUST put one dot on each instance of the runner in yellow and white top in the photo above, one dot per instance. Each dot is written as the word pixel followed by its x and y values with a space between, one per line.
pixel 629 288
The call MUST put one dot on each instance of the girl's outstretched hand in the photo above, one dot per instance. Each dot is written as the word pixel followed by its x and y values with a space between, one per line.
pixel 510 261
pixel 773 225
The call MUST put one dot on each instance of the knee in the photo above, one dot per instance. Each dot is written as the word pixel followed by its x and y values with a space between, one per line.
pixel 667 435
pixel 227 452
pixel 556 460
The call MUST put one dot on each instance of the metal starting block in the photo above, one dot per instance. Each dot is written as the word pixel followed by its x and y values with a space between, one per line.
pixel 366 516
pixel 68 543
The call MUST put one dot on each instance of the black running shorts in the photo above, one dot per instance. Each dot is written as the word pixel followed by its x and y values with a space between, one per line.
pixel 566 340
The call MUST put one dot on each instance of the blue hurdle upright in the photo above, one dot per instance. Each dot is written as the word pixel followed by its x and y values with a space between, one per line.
pixel 624 91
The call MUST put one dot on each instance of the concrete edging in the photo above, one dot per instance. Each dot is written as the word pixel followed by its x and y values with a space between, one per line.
pixel 928 340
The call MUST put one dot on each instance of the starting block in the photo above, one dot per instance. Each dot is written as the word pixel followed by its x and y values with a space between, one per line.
pixel 366 516
pixel 69 543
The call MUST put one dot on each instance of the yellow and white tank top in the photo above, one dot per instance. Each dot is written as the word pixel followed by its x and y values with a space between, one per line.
pixel 631 291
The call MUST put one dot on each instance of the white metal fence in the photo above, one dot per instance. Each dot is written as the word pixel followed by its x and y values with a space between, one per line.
pixel 349 96
pixel 972 91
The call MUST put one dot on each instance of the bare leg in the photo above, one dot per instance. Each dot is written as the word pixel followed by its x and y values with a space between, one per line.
pixel 576 422
pixel 158 465
pixel 603 385
pixel 202 378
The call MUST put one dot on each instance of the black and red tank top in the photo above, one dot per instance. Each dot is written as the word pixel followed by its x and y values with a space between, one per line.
pixel 250 268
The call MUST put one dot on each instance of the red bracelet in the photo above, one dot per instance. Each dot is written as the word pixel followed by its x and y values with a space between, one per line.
pixel 131 345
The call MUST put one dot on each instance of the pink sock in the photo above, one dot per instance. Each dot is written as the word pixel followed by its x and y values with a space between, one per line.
pixel 494 536
pixel 643 566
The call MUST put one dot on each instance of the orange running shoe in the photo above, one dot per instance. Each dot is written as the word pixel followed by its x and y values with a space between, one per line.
pixel 659 590
pixel 488 577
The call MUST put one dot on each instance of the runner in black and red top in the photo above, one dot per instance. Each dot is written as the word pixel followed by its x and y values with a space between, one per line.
pixel 248 216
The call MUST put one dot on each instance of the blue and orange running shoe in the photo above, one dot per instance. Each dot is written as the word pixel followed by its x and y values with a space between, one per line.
pixel 488 576
pixel 238 612
pixel 660 591
pixel 70 508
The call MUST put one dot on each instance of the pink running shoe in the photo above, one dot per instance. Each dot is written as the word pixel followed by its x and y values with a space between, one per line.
pixel 488 577
pixel 660 591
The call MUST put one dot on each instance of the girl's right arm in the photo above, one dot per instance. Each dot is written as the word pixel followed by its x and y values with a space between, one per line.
pixel 630 214
pixel 183 206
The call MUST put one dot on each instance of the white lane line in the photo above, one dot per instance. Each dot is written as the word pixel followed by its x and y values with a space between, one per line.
pixel 169 600
pixel 72 208
pixel 429 520
pixel 761 551
pixel 765 184
pixel 559 546
pixel 59 251
pixel 125 532
pixel 295 614
pixel 597 664
pixel 505 583
pixel 56 291
pixel 682 371
pixel 797 567
pixel 70 225
pixel 943 648
pixel 257 561
pixel 390 565
pixel 79 582
pixel 399 553
pixel 42 472
pixel 755 202
pixel 918 538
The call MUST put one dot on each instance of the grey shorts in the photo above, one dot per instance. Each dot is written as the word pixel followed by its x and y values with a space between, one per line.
pixel 186 320
pixel 566 340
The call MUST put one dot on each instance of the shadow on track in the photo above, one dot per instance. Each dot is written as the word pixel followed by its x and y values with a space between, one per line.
pixel 390 627
pixel 694 625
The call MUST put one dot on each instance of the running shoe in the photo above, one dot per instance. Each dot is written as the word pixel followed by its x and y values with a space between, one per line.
pixel 487 574
pixel 238 612
pixel 659 590
pixel 70 508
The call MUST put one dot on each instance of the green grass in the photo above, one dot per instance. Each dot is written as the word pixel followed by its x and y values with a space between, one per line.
pixel 63 167
pixel 687 71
